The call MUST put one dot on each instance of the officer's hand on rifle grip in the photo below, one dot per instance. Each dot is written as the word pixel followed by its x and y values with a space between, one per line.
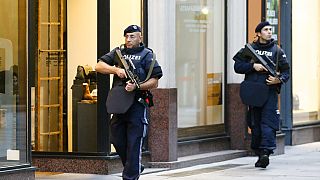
pixel 272 80
pixel 121 73
pixel 259 67
pixel 130 86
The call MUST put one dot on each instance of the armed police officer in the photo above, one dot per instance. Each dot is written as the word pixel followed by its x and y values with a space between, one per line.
pixel 263 119
pixel 129 128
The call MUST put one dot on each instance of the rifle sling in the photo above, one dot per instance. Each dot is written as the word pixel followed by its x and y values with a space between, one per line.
pixel 151 67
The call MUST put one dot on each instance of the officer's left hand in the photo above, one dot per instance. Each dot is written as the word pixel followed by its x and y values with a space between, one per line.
pixel 130 86
pixel 272 80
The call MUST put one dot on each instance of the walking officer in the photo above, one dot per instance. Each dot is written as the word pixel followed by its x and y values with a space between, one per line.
pixel 263 119
pixel 129 126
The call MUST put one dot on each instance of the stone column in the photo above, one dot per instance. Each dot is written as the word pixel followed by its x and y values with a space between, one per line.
pixel 162 139
pixel 236 122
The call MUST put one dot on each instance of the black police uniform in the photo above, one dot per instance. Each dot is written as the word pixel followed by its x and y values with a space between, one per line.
pixel 129 129
pixel 264 121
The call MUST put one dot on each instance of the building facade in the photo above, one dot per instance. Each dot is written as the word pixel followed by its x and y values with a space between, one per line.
pixel 197 110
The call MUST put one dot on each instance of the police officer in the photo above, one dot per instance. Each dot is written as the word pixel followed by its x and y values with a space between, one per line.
pixel 264 121
pixel 129 129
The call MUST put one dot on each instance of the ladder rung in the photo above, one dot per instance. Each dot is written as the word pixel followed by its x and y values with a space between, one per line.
pixel 49 78
pixel 51 23
pixel 52 50
pixel 50 133
pixel 50 105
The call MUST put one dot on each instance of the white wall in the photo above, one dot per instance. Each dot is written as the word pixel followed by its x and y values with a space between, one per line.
pixel 236 35
pixel 82 43
pixel 161 38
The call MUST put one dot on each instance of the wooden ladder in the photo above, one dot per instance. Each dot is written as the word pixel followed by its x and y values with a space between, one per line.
pixel 49 77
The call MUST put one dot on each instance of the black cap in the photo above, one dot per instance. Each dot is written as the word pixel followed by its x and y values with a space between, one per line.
pixel 261 25
pixel 131 28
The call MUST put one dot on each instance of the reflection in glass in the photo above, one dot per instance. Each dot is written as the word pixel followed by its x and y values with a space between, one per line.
pixel 199 62
pixel 13 83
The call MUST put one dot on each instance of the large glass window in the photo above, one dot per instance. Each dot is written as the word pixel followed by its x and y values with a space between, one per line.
pixel 305 61
pixel 200 30
pixel 13 83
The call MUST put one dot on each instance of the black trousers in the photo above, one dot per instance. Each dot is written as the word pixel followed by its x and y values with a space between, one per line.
pixel 127 133
pixel 264 122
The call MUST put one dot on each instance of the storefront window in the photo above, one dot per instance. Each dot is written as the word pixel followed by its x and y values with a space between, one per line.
pixel 200 31
pixel 305 61
pixel 13 84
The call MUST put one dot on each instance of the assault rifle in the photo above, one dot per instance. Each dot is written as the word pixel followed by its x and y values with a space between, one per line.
pixel 133 77
pixel 249 51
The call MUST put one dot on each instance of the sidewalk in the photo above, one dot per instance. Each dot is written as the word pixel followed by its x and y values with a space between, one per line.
pixel 299 162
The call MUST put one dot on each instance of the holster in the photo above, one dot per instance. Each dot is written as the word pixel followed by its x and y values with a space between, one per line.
pixel 146 98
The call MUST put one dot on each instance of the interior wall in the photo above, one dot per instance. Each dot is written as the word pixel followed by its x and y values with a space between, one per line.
pixel 82 44
pixel 123 13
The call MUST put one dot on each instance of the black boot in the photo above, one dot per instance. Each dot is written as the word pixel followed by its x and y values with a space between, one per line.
pixel 257 152
pixel 258 163
pixel 264 158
